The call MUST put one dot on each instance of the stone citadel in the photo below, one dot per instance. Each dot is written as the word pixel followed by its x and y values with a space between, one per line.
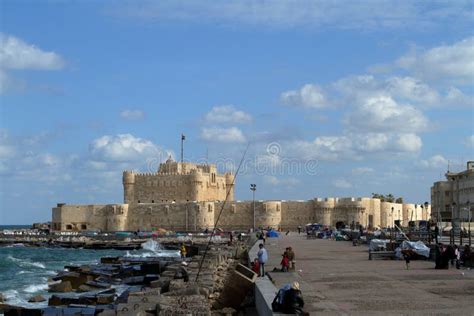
pixel 183 196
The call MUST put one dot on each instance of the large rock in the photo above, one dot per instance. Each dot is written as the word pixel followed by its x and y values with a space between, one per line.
pixel 77 279
pixel 37 299
pixel 2 299
pixel 62 287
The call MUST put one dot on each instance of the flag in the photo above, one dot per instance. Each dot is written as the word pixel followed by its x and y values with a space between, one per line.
pixel 183 137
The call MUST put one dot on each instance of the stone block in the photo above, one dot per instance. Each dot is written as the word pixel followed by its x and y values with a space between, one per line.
pixel 36 299
pixel 64 286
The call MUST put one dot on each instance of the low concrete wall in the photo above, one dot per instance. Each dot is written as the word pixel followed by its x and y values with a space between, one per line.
pixel 265 290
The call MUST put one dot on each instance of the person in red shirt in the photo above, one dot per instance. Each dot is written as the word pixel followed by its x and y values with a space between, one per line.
pixel 285 263
pixel 256 266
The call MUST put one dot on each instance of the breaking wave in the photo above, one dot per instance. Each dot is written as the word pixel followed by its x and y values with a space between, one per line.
pixel 35 288
pixel 26 263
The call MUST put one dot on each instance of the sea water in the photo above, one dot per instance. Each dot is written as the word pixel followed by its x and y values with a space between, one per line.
pixel 24 271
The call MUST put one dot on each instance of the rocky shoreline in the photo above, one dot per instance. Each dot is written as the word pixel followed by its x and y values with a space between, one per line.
pixel 154 285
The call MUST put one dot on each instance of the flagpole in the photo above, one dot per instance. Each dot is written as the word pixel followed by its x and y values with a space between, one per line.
pixel 182 147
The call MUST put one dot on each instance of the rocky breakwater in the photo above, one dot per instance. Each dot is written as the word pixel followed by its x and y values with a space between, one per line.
pixel 153 285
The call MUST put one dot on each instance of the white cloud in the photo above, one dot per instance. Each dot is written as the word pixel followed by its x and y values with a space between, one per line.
pixel 124 148
pixel 469 141
pixel 17 54
pixel 435 162
pixel 227 114
pixel 309 96
pixel 443 63
pixel 272 180
pixel 341 184
pixel 362 170
pixel 372 15
pixel 412 89
pixel 382 113
pixel 132 114
pixel 408 142
pixel 456 97
pixel 224 135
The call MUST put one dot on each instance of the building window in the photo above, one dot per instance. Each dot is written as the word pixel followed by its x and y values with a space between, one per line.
pixel 68 227
pixel 152 201
pixel 138 201
pixel 83 226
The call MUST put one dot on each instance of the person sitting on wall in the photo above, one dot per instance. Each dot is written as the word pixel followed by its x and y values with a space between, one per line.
pixel 293 302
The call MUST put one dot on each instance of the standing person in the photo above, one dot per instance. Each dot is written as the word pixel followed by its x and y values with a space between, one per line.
pixel 262 259
pixel 291 257
pixel 299 229
pixel 436 233
pixel 231 237
pixel 256 266
pixel 285 263
pixel 457 253
pixel 183 251
pixel 407 255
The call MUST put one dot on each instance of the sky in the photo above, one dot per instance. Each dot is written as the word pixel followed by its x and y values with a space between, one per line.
pixel 330 98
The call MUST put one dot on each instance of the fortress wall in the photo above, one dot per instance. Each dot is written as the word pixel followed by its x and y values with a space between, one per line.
pixel 324 209
pixel 237 215
pixel 408 213
pixel 388 217
pixel 296 213
pixel 162 188
pixel 192 216
pixel 79 217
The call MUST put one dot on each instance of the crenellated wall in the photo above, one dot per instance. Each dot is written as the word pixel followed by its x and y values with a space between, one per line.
pixel 196 216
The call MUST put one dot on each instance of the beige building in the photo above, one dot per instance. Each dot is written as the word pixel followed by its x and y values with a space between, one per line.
pixel 454 197
pixel 186 196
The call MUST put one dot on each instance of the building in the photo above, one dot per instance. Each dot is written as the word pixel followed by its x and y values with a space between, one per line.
pixel 452 199
pixel 177 182
pixel 189 197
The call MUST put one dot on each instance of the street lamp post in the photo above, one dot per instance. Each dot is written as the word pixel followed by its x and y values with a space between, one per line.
pixel 470 218
pixel 452 221
pixel 392 223
pixel 426 210
pixel 253 187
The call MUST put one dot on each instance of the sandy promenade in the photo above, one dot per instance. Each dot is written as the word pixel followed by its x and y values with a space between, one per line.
pixel 337 278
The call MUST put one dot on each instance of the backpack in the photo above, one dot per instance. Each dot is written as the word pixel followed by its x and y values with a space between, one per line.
pixel 278 300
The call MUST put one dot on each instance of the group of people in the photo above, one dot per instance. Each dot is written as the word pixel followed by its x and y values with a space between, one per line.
pixel 288 257
pixel 446 254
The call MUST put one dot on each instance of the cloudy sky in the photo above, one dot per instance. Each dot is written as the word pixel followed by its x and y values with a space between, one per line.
pixel 332 98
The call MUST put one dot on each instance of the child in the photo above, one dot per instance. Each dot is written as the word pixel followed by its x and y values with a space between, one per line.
pixel 256 266
pixel 285 263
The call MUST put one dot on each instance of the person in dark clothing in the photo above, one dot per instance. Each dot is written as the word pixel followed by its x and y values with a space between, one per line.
pixel 293 302
pixel 436 233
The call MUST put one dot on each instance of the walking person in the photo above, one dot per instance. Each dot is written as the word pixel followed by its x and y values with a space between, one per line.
pixel 262 259
pixel 285 263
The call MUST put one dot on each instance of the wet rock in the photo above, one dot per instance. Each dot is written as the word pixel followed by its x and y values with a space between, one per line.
pixel 62 287
pixel 37 299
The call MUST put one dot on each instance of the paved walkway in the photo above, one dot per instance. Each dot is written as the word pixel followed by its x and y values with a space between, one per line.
pixel 337 278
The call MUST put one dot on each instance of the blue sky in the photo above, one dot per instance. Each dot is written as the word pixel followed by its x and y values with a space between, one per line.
pixel 335 98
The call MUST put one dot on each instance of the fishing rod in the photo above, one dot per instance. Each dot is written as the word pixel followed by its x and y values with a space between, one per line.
pixel 220 213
